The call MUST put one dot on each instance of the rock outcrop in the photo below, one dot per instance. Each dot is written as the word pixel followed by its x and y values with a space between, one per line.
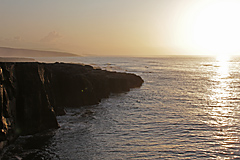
pixel 32 94
pixel 77 85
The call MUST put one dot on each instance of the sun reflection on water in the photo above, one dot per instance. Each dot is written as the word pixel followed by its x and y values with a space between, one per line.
pixel 220 87
pixel 223 69
pixel 221 109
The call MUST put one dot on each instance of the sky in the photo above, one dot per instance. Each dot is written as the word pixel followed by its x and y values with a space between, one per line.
pixel 122 27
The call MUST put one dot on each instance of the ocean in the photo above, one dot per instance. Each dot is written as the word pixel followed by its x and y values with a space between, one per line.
pixel 187 108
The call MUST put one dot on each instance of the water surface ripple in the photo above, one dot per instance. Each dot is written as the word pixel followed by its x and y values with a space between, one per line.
pixel 188 108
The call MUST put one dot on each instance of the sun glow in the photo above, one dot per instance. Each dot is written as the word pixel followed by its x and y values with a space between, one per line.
pixel 216 28
pixel 223 67
pixel 223 58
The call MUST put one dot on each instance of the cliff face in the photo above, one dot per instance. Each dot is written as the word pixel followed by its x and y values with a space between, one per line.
pixel 77 85
pixel 25 106
pixel 7 105
pixel 32 93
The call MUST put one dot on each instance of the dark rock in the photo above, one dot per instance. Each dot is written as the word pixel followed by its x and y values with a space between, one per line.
pixel 87 113
pixel 32 93
pixel 25 106
pixel 76 85
pixel 7 105
pixel 34 110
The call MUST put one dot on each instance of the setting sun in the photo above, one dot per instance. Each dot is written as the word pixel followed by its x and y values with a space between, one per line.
pixel 223 58
pixel 216 28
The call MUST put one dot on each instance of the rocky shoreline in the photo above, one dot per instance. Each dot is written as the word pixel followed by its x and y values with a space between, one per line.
pixel 32 93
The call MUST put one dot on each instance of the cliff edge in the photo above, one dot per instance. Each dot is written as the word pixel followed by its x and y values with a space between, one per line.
pixel 32 94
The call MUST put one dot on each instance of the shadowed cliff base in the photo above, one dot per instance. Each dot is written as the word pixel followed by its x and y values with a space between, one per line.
pixel 32 94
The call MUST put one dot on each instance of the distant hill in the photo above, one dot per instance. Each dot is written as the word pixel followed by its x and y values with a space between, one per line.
pixel 15 52
pixel 13 59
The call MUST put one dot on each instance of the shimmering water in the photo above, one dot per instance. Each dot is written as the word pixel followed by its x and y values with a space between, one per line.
pixel 188 108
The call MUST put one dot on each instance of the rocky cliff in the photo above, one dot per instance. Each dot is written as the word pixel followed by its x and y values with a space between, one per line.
pixel 32 94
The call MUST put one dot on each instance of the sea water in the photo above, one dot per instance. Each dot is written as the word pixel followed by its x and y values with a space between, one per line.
pixel 187 108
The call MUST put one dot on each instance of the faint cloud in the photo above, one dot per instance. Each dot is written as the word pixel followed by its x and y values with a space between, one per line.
pixel 12 40
pixel 51 37
pixel 17 38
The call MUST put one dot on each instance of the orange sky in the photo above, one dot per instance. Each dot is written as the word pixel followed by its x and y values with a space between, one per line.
pixel 122 27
